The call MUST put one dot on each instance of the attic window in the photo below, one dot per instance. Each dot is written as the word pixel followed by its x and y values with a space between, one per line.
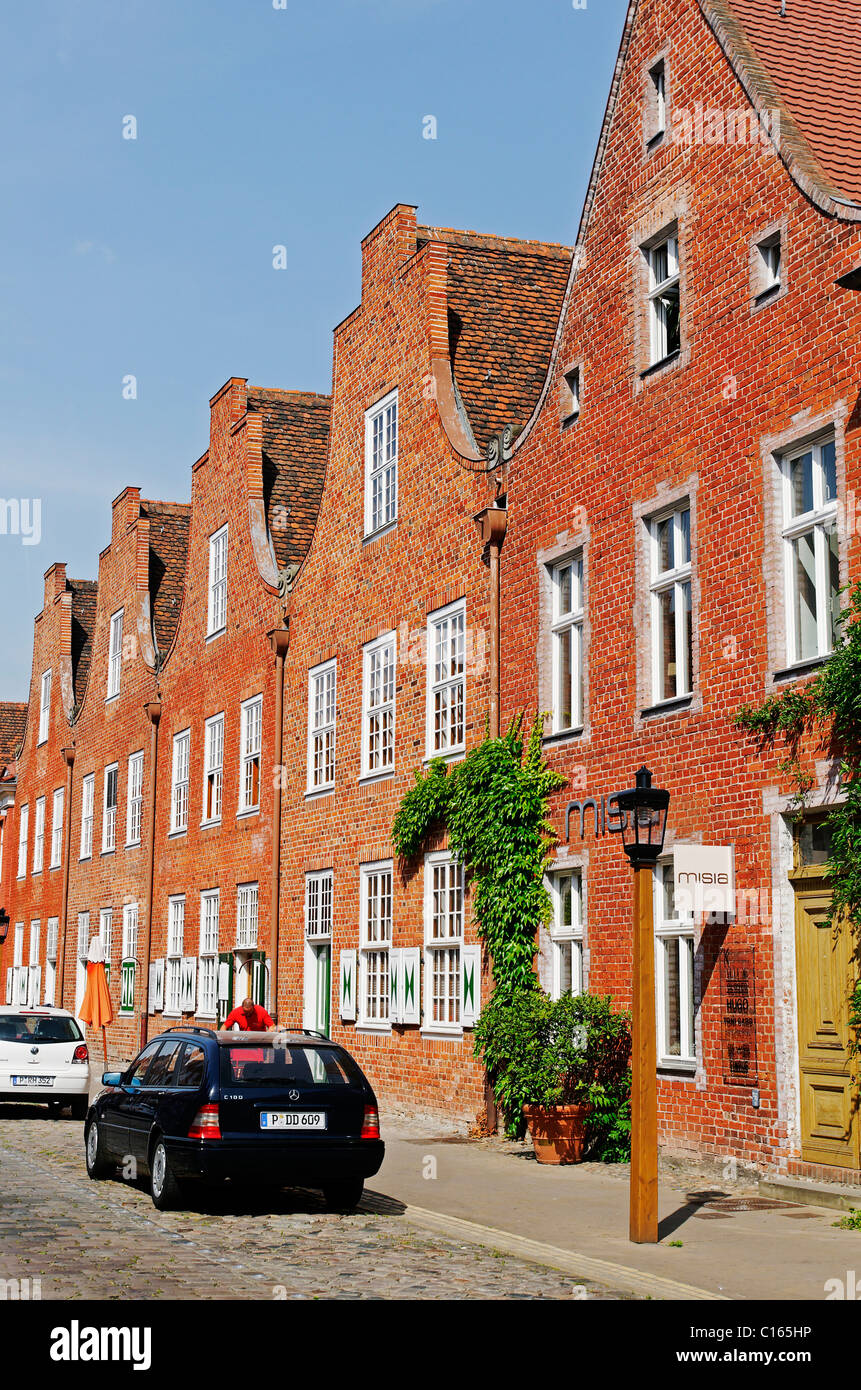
pixel 570 394
pixel 768 265
pixel 656 115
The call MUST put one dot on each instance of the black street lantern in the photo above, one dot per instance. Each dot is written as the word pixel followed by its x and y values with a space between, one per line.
pixel 4 926
pixel 642 817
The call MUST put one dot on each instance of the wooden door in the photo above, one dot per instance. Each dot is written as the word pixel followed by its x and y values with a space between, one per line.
pixel 826 973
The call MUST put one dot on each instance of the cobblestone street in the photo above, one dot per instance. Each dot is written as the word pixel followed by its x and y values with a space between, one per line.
pixel 106 1240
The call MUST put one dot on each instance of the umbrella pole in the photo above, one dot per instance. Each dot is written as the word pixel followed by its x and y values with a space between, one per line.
pixel 105 1045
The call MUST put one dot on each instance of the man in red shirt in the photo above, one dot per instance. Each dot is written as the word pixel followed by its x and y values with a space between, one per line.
pixel 249 1018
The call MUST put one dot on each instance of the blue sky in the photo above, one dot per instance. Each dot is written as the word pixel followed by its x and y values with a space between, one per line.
pixel 256 127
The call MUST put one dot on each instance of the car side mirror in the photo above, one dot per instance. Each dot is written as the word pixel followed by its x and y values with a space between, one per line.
pixel 112 1078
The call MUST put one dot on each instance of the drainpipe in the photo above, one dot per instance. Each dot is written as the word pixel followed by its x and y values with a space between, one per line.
pixel 69 760
pixel 492 523
pixel 152 710
pixel 280 639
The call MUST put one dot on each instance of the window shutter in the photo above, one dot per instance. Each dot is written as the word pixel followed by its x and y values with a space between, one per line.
pixel 225 984
pixel 395 984
pixel 35 986
pixel 545 960
pixel 9 979
pixel 187 983
pixel 347 989
pixel 470 992
pixel 258 978
pixel 156 986
pixel 128 969
pixel 411 958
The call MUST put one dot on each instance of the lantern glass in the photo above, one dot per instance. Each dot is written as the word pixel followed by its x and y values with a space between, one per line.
pixel 642 817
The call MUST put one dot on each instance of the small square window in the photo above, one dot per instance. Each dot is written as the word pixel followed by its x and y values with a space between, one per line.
pixel 570 394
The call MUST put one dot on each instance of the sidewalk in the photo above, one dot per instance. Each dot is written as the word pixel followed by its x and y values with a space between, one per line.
pixel 778 1251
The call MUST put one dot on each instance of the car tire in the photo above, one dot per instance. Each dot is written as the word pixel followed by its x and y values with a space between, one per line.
pixel 163 1186
pixel 98 1166
pixel 343 1196
pixel 80 1106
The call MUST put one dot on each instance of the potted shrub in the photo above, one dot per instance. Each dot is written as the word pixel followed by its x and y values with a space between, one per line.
pixel 562 1068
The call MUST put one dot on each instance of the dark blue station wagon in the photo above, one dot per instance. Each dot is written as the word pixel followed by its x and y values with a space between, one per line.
pixel 282 1109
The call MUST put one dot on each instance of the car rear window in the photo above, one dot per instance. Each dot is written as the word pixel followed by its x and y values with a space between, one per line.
pixel 296 1064
pixel 32 1028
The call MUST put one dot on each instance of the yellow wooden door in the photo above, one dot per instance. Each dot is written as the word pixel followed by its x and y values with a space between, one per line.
pixel 826 973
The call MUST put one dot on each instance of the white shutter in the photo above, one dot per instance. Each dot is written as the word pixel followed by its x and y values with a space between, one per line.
pixel 347 983
pixel 187 983
pixel 470 985
pixel 395 984
pixel 156 986
pixel 411 964
pixel 223 989
pixel 23 974
pixel 34 986
pixel 10 977
pixel 544 963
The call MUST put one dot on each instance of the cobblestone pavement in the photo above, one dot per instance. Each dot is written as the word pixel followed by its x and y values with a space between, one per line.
pixel 105 1240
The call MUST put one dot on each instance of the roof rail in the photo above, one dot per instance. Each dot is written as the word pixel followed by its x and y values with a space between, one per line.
pixel 192 1028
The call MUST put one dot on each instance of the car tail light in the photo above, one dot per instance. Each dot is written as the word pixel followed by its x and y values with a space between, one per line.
pixel 205 1124
pixel 80 1053
pixel 371 1123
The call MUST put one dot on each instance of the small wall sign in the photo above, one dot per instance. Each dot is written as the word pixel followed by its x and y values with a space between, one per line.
pixel 704 879
pixel 737 972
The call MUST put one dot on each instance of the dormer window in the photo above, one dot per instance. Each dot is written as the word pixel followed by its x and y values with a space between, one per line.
pixel 381 464
pixel 216 616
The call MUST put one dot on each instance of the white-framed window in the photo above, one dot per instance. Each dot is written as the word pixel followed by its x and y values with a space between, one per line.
pixel 179 781
pixel 213 764
pixel 208 967
pixel 35 933
pixel 82 948
pixel 446 657
pixel 250 752
pixel 322 716
pixel 23 832
pixel 566 579
pixel 664 299
pixel 375 940
pixel 134 799
pixel 44 706
pixel 381 463
pixel 674 976
pixel 318 906
pixel 39 835
pixel 768 259
pixel 571 393
pixel 109 810
pixel 216 613
pixel 51 940
pixel 671 604
pixel 34 972
pixel 811 553
pixel 247 901
pixel 106 932
pixel 658 99
pixel 173 961
pixel 19 973
pixel 88 795
pixel 443 914
pixel 566 933
pixel 378 705
pixel 115 654
pixel 130 931
pixel 57 806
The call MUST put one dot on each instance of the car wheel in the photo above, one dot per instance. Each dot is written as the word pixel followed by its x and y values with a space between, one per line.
pixel 98 1166
pixel 343 1196
pixel 163 1186
pixel 80 1106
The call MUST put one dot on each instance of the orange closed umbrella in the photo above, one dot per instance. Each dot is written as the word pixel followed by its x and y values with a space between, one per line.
pixel 96 1006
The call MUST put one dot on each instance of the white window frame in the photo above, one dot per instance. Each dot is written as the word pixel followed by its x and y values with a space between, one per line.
pixel 379 676
pixel 115 655
pixel 676 580
pixel 210 914
pixel 109 813
pixel 181 761
pixel 44 705
pixel 130 931
pixel 213 769
pixel 250 753
pixel 106 932
pixel 134 799
pixel 322 725
pixel 658 97
pixel 173 955
pixel 247 915
pixel 659 349
pixel 566 937
pixel 23 836
pixel 216 607
pixel 381 464
pixel 88 798
pixel 567 625
pixel 375 942
pixel 570 394
pixel 318 905
pixel 442 875
pixel 769 253
pixel 442 625
pixel 33 971
pixel 51 942
pixel 819 521
pixel 39 834
pixel 670 933
pixel 58 804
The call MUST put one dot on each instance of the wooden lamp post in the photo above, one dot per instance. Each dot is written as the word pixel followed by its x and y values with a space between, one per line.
pixel 642 814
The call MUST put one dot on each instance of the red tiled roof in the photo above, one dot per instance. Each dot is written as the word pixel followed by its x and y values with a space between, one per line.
pixel 13 718
pixel 504 300
pixel 813 56
pixel 295 448
pixel 168 555
pixel 84 596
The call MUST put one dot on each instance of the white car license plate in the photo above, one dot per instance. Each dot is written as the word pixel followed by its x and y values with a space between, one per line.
pixel 293 1119
pixel 32 1080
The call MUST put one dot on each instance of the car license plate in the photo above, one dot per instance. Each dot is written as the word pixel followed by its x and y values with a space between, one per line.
pixel 292 1119
pixel 32 1080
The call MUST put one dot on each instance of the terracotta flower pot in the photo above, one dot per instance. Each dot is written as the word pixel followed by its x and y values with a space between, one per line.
pixel 558 1132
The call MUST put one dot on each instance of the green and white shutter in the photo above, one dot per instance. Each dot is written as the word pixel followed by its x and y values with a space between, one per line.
pixel 156 986
pixel 347 985
pixel 410 997
pixel 470 985
pixel 128 972
pixel 395 982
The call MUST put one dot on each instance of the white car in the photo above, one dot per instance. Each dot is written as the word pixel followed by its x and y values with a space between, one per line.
pixel 44 1058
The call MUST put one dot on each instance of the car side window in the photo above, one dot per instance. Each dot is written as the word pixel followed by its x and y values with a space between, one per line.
pixel 136 1072
pixel 163 1070
pixel 190 1070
